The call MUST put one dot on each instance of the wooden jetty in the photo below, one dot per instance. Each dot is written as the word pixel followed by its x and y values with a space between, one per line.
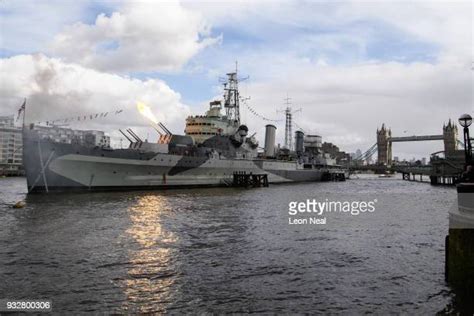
pixel 444 179
pixel 334 175
pixel 250 180
pixel 427 174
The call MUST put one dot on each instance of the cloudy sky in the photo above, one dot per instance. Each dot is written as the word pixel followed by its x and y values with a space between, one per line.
pixel 349 65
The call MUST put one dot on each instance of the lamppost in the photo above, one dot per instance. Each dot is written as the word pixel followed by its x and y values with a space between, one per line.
pixel 465 121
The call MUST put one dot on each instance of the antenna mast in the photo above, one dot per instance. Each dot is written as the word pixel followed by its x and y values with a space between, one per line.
pixel 231 96
pixel 289 123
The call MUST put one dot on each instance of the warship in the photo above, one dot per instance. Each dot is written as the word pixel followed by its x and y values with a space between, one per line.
pixel 214 148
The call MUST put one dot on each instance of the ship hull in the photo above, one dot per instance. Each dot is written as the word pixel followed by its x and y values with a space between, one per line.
pixel 52 166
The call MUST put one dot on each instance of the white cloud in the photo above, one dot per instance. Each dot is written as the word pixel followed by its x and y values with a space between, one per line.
pixel 447 23
pixel 57 90
pixel 141 36
pixel 345 101
pixel 346 104
pixel 340 32
pixel 25 26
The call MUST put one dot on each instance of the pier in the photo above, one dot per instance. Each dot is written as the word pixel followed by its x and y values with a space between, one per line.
pixel 459 247
pixel 334 175
pixel 427 174
pixel 249 180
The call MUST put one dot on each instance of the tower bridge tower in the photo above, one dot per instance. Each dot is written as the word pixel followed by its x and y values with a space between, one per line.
pixel 384 146
pixel 450 137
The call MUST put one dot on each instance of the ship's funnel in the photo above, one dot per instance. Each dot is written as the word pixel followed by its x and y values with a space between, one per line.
pixel 299 142
pixel 270 131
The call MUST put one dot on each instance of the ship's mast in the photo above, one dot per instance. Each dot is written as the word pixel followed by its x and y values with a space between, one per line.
pixel 231 96
pixel 289 123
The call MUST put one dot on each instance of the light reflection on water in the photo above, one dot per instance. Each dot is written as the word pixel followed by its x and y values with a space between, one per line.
pixel 227 250
pixel 150 281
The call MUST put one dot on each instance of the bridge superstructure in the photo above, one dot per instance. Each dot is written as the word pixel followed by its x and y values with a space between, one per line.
pixel 416 138
pixel 440 170
pixel 385 141
pixel 383 147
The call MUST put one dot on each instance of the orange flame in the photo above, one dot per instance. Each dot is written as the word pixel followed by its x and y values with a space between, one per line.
pixel 145 110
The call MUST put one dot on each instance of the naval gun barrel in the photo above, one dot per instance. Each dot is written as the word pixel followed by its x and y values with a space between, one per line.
pixel 128 138
pixel 164 128
pixel 134 135
pixel 155 127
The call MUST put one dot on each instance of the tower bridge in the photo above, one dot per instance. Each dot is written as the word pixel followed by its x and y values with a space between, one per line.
pixel 383 146
pixel 416 138
pixel 385 141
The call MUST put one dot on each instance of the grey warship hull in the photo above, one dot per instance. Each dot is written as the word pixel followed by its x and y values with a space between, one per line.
pixel 53 166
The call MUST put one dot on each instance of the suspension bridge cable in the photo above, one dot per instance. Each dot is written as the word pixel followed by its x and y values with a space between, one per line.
pixel 367 154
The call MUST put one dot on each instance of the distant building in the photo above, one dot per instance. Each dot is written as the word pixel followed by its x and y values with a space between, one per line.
pixel 358 153
pixel 68 135
pixel 423 161
pixel 330 148
pixel 11 145
pixel 396 159
pixel 333 151
pixel 358 159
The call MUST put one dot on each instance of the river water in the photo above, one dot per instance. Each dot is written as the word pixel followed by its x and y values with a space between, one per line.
pixel 228 250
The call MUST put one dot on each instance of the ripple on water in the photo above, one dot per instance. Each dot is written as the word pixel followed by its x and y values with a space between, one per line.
pixel 227 250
